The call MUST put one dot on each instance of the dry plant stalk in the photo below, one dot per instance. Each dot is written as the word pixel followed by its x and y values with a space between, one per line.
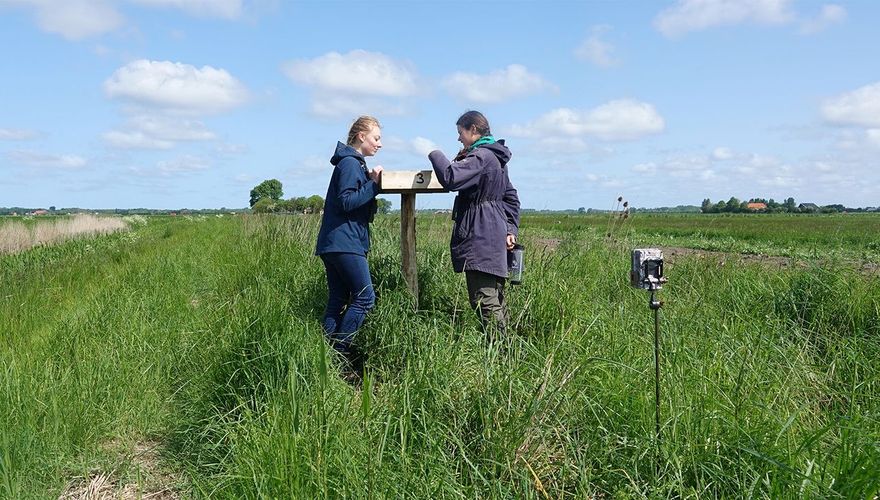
pixel 17 237
pixel 616 217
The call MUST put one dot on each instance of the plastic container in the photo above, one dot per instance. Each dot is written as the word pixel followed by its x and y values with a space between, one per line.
pixel 515 264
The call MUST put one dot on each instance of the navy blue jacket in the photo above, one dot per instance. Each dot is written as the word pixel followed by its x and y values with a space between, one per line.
pixel 349 206
pixel 486 209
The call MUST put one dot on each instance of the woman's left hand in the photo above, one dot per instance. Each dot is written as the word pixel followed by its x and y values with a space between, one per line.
pixel 511 240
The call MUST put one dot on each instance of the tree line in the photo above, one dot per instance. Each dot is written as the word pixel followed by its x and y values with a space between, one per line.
pixel 267 197
pixel 734 205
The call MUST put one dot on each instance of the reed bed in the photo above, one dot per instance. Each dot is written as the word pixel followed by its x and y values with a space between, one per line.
pixel 17 237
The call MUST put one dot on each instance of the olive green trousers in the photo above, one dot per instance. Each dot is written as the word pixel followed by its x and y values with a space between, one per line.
pixel 486 294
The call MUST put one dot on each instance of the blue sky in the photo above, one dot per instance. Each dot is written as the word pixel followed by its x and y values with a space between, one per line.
pixel 191 103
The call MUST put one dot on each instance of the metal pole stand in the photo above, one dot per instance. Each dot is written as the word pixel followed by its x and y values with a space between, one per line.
pixel 655 306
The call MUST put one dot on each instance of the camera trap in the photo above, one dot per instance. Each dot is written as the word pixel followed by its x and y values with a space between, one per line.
pixel 647 269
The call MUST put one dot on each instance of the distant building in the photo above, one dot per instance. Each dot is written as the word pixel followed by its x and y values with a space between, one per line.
pixel 756 206
pixel 40 212
pixel 808 207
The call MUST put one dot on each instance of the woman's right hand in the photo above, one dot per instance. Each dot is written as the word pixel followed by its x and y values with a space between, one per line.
pixel 376 173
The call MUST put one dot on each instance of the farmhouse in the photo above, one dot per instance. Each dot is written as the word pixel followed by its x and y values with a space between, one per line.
pixel 756 207
pixel 808 207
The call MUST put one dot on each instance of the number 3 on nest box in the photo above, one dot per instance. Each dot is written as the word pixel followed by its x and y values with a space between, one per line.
pixel 409 181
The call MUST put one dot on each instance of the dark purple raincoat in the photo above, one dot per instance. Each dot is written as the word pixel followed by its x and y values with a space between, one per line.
pixel 486 209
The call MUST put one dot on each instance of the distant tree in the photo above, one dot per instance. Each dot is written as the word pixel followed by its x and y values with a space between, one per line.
pixel 384 206
pixel 789 205
pixel 265 206
pixel 733 204
pixel 720 207
pixel 52 208
pixel 297 204
pixel 269 189
pixel 706 207
pixel 314 203
pixel 284 206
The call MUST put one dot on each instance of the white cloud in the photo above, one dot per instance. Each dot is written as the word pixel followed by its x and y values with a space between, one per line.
pixel 80 19
pixel 316 163
pixel 73 19
pixel 562 145
pixel 596 50
pixel 730 173
pixel 873 136
pixel 722 153
pixel 43 160
pixel 228 149
pixel 356 73
pixel 422 146
pixel 418 146
pixel 763 162
pixel 623 119
pixel 182 165
pixel 328 105
pixel 172 129
pixel 500 85
pixel 696 15
pixel 176 87
pixel 830 14
pixel 822 166
pixel 226 9
pixel 690 166
pixel 157 132
pixel 861 107
pixel 354 83
pixel 134 140
pixel 603 180
pixel 15 134
pixel 784 178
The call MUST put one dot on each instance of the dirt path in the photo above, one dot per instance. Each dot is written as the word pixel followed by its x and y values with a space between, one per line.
pixel 775 261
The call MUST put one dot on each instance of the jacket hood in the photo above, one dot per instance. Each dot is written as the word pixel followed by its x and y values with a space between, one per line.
pixel 343 151
pixel 499 150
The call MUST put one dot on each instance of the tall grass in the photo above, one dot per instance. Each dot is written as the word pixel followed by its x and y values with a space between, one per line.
pixel 205 336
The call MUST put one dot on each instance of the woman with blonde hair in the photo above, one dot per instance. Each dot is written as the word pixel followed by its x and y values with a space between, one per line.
pixel 344 237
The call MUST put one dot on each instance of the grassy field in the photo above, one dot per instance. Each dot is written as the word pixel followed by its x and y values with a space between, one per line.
pixel 199 338
pixel 846 236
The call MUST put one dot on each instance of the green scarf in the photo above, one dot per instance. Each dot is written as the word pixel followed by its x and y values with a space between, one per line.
pixel 486 139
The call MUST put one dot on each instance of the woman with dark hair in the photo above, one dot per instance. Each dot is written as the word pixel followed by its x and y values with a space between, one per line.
pixel 344 237
pixel 486 214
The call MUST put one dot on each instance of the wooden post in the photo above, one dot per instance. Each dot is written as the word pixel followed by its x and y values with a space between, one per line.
pixel 408 183
pixel 408 244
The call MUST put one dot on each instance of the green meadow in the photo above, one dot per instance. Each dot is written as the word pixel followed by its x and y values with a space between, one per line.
pixel 199 338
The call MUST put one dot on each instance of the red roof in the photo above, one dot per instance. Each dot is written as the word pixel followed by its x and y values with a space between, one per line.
pixel 757 206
